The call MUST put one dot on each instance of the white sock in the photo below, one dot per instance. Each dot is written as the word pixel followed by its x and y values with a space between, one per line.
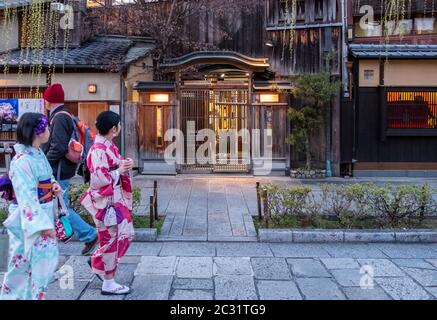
pixel 110 285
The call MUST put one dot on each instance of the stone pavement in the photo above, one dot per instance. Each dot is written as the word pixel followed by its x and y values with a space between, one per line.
pixel 249 271
pixel 205 208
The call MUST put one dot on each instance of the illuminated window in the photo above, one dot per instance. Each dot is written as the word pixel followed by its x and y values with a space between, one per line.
pixel 95 3
pixel 269 98
pixel 154 98
pixel 412 110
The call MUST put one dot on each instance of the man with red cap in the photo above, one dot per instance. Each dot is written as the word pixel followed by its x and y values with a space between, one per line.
pixel 61 131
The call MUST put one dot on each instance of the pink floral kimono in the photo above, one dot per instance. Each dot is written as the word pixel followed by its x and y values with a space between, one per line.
pixel 108 186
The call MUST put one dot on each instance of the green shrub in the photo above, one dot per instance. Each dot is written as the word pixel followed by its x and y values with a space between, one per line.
pixel 358 205
pixel 3 215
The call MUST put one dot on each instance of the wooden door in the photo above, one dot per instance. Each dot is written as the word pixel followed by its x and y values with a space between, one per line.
pixel 88 112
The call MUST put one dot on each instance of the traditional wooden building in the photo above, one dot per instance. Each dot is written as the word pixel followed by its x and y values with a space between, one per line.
pixel 245 85
pixel 389 123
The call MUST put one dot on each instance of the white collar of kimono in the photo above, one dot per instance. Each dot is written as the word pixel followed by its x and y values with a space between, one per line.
pixel 103 140
pixel 20 148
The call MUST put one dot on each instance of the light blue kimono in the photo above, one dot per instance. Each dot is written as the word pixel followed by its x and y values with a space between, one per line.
pixel 33 259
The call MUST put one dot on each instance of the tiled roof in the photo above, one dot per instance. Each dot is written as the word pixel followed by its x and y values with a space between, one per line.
pixel 99 53
pixel 393 50
pixel 154 85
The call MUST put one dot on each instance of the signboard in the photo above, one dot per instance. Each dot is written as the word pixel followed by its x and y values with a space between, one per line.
pixel 12 109
pixel 30 105
pixel 8 114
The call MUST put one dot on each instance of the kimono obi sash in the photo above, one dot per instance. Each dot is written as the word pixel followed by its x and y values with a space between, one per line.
pixel 45 194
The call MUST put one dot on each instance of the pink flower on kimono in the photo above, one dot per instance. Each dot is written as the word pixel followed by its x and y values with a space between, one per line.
pixel 41 295
pixel 5 289
pixel 18 260
pixel 28 215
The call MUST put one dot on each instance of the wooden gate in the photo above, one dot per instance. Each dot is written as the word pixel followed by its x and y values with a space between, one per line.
pixel 225 112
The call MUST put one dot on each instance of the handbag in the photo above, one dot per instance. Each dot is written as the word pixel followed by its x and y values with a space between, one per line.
pixel 64 230
pixel 113 215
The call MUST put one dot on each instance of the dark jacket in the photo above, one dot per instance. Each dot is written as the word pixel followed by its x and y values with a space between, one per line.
pixel 61 130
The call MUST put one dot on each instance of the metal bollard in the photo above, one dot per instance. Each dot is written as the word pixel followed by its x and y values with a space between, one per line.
pixel 258 200
pixel 155 195
pixel 152 214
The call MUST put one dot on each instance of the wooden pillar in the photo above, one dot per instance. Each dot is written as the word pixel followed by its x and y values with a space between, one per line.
pixel 178 107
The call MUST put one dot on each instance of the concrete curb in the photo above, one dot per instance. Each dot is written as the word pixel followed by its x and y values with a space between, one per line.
pixel 347 236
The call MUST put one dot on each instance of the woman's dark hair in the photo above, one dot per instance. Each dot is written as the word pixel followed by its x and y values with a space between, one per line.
pixel 106 121
pixel 26 127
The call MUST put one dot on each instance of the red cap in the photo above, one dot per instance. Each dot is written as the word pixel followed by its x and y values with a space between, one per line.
pixel 54 93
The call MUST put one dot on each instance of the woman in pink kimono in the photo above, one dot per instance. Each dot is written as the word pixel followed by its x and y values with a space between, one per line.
pixel 109 200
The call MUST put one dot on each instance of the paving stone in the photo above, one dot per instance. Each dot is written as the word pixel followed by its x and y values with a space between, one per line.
pixel 235 288
pixel 81 268
pixel 70 249
pixel 319 289
pixel 340 263
pixel 190 267
pixel 347 277
pixel 130 260
pixel 95 294
pixel 307 268
pixel 243 250
pixel 402 288
pixel 353 251
pixel 188 249
pixel 150 287
pixel 232 266
pixel 57 291
pixel 304 250
pixel 271 269
pixel 425 277
pixel 354 293
pixel 433 291
pixel 192 295
pixel 382 267
pixel 156 265
pixel 191 284
pixel 433 262
pixel 413 251
pixel 144 249
pixel 278 290
pixel 413 263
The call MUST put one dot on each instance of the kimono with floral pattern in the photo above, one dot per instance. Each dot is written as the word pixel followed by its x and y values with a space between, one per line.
pixel 108 186
pixel 33 258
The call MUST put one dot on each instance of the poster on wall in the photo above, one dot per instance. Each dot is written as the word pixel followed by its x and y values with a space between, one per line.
pixel 30 105
pixel 8 114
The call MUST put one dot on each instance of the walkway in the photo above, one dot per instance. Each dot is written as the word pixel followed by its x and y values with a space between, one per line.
pixel 249 271
pixel 205 208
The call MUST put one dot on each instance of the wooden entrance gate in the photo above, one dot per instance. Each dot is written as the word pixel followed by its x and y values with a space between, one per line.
pixel 225 112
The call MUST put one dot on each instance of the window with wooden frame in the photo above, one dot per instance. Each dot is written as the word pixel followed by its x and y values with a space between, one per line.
pixel 411 109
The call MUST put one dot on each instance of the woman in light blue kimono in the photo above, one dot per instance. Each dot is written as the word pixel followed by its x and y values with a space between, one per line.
pixel 33 250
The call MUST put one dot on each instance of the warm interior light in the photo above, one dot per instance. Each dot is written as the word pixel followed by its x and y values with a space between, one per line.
pixel 269 44
pixel 159 97
pixel 135 96
pixel 92 88
pixel 223 75
pixel 269 98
